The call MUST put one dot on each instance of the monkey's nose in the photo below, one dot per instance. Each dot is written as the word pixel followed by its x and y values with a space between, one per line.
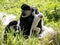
pixel 41 16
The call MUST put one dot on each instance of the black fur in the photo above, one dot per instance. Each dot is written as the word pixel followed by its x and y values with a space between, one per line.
pixel 12 23
pixel 25 23
pixel 25 7
pixel 7 28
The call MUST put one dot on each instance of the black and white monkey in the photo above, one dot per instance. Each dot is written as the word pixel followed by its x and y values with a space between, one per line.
pixel 27 21
pixel 30 20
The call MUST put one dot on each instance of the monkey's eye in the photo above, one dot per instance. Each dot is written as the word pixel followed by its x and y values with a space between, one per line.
pixel 36 11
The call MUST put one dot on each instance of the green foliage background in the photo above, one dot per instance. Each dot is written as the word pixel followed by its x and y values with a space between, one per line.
pixel 50 9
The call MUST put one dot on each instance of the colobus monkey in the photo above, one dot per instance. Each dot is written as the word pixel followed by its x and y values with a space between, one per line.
pixel 30 19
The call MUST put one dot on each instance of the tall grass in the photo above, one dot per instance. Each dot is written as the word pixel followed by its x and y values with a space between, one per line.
pixel 51 11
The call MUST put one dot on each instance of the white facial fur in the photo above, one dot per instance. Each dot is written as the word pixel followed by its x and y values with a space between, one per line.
pixel 27 13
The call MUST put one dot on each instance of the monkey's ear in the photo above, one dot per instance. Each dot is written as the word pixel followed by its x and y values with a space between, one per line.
pixel 25 7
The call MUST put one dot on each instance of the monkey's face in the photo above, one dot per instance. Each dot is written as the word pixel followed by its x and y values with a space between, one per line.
pixel 26 12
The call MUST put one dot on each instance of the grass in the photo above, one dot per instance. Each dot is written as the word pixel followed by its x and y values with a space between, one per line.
pixel 51 11
pixel 20 40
